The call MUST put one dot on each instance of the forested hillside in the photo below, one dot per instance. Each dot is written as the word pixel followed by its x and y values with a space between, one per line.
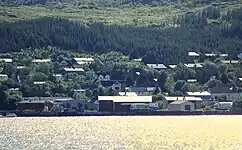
pixel 207 31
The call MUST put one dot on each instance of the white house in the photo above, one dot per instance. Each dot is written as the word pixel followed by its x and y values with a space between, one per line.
pixel 181 106
pixel 3 77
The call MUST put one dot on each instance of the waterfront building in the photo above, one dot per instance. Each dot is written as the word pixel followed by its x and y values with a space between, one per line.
pixel 121 103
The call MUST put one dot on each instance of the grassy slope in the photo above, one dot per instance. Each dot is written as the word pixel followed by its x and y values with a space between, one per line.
pixel 134 16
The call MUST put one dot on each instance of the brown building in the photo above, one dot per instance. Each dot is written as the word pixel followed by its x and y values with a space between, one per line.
pixel 121 103
pixel 35 105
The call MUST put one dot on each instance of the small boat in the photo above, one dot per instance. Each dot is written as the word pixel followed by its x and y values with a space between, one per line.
pixel 11 115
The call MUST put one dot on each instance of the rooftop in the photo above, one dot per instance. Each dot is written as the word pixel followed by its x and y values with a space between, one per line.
pixel 127 94
pixel 223 55
pixel 181 98
pixel 193 54
pixel 128 99
pixel 172 66
pixel 210 54
pixel 230 61
pixel 192 80
pixel 41 60
pixel 7 60
pixel 198 65
pixel 83 59
pixel 137 60
pixel 73 69
pixel 157 66
pixel 39 82
pixel 179 102
pixel 3 75
pixel 20 67
pixel 205 93
pixel 33 101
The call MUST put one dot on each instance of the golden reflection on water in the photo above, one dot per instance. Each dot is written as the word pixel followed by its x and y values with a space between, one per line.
pixel 122 133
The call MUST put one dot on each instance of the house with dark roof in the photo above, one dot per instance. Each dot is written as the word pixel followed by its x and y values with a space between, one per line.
pixel 142 91
pixel 115 85
pixel 224 91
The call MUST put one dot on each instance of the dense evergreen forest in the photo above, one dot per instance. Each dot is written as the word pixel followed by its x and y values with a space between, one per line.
pixel 194 32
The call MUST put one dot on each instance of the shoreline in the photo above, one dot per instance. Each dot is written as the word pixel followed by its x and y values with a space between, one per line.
pixel 152 113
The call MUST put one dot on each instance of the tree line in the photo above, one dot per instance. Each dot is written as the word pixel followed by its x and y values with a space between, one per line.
pixel 154 45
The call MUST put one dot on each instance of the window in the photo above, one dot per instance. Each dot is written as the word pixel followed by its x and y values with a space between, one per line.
pixel 187 107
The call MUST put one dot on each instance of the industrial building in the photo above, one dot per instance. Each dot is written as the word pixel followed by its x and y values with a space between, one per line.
pixel 121 103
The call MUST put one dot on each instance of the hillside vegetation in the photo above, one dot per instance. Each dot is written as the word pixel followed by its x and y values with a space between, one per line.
pixel 208 31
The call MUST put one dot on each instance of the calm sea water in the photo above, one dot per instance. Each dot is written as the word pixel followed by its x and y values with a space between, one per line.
pixel 122 133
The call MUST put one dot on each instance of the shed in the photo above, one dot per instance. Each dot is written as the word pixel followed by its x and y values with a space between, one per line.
pixel 181 106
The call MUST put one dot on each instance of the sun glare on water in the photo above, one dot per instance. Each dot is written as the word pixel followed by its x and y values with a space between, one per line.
pixel 122 133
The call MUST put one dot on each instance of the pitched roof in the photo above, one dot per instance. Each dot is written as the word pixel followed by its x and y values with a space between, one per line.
pixel 191 80
pixel 210 54
pixel 172 66
pixel 157 66
pixel 20 67
pixel 205 93
pixel 33 101
pixel 41 60
pixel 127 94
pixel 198 65
pixel 137 60
pixel 230 61
pixel 7 60
pixel 182 98
pixel 193 54
pixel 220 88
pixel 83 59
pixel 73 69
pixel 223 55
pixel 39 82
pixel 128 99
pixel 3 75
pixel 179 102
